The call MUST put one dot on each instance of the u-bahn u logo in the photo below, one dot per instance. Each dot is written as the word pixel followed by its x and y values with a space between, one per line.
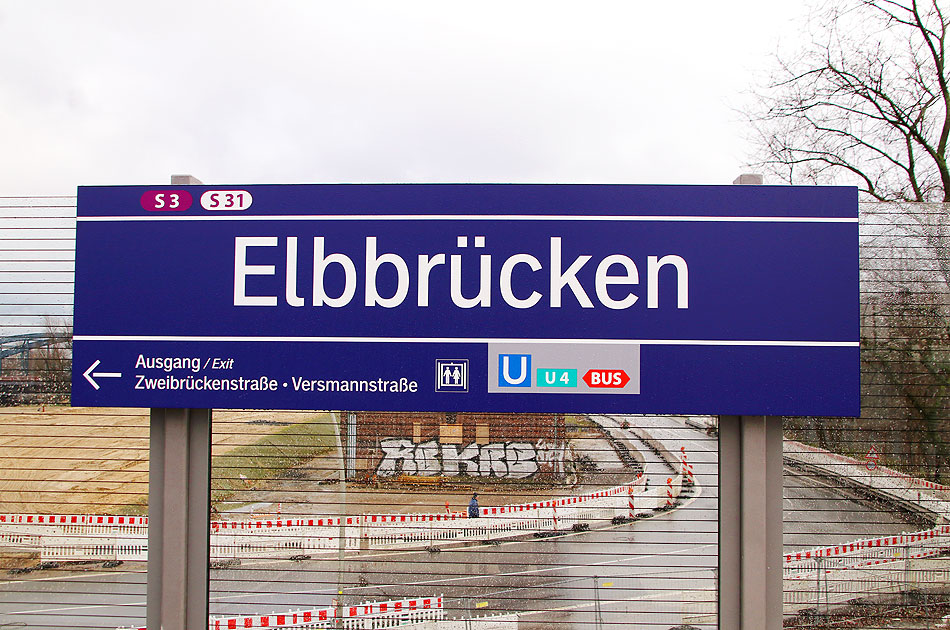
pixel 514 370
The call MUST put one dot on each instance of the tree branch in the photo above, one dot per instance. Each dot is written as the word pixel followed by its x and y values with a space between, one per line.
pixel 855 94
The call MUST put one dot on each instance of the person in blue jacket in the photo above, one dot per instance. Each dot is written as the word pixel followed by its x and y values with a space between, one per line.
pixel 473 506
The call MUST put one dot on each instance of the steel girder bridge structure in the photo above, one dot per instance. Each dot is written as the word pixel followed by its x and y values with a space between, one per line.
pixel 19 348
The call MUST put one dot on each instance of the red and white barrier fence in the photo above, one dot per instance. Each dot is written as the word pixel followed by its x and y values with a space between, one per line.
pixel 887 483
pixel 388 614
pixel 92 537
pixel 74 520
pixel 869 552
pixel 872 567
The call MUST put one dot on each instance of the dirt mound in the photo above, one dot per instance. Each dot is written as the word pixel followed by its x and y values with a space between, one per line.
pixel 56 460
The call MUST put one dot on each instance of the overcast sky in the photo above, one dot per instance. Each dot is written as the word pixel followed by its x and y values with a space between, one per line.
pixel 293 91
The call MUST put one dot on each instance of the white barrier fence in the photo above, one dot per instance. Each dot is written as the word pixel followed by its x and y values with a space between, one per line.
pixel 69 537
pixel 492 622
pixel 77 537
pixel 823 589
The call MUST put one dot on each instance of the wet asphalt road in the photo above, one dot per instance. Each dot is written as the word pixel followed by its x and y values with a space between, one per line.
pixel 650 574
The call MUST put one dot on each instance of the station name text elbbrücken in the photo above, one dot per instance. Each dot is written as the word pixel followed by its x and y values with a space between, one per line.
pixel 519 276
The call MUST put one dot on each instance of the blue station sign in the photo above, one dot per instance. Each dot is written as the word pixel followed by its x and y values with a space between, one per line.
pixel 558 298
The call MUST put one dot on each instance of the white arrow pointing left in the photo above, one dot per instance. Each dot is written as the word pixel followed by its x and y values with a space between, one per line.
pixel 89 374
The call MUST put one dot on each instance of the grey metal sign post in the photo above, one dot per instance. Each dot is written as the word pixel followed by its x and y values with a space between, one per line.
pixel 179 482
pixel 750 522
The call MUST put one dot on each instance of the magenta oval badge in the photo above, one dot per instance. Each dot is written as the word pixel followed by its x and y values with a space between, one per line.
pixel 166 200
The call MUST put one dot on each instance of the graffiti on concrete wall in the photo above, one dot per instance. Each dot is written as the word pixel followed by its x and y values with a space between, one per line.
pixel 510 460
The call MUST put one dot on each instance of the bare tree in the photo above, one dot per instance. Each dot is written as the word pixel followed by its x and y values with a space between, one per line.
pixel 867 102
pixel 905 344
